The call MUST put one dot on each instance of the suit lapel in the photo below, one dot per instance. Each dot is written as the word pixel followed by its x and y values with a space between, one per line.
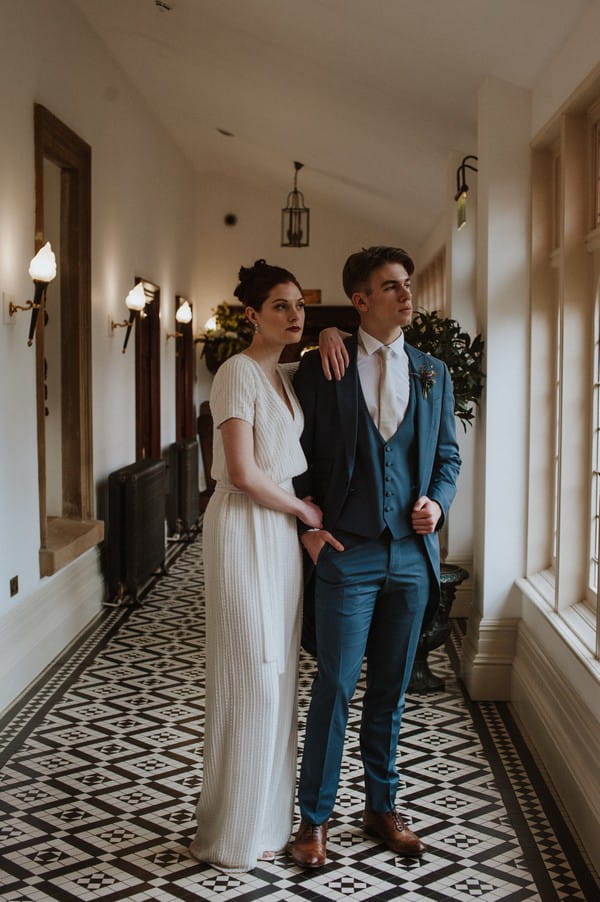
pixel 347 395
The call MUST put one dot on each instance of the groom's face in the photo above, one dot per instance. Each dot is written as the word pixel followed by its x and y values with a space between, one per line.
pixel 388 301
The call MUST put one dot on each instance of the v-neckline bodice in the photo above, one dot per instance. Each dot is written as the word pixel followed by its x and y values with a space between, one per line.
pixel 289 405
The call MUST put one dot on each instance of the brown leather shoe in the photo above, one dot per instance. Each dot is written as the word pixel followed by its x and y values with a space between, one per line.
pixel 389 826
pixel 309 847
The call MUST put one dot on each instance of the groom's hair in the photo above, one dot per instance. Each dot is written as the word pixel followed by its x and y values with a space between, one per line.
pixel 359 266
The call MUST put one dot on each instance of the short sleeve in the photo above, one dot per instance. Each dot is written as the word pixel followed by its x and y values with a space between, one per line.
pixel 233 392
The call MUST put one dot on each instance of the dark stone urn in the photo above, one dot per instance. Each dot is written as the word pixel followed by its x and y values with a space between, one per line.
pixel 437 631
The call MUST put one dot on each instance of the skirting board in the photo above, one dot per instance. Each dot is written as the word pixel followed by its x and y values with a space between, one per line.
pixel 41 626
pixel 487 658
pixel 564 732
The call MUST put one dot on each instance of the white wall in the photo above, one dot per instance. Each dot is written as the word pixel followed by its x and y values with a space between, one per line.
pixel 461 305
pixel 503 312
pixel 143 221
pixel 567 70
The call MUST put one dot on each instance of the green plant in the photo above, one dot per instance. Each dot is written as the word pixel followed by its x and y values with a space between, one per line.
pixel 231 334
pixel 443 337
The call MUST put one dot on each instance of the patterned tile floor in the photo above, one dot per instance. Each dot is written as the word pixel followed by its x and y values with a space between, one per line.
pixel 102 764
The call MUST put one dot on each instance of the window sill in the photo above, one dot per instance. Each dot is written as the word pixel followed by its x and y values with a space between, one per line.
pixel 67 540
pixel 573 624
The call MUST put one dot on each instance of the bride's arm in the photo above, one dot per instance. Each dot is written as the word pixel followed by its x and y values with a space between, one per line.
pixel 246 475
pixel 333 351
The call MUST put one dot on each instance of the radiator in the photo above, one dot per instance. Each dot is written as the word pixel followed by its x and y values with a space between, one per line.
pixel 183 506
pixel 136 526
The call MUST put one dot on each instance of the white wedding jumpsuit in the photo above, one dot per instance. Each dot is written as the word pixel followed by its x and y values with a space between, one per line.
pixel 253 569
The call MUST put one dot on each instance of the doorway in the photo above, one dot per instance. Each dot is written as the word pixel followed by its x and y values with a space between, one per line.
pixel 63 362
pixel 147 375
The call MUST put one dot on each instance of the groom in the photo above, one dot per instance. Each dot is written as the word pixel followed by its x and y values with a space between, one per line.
pixel 382 464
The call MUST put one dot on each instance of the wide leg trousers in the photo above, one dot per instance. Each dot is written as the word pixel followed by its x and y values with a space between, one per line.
pixel 369 600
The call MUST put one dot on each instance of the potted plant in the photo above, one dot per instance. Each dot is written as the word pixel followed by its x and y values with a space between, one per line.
pixel 230 334
pixel 443 337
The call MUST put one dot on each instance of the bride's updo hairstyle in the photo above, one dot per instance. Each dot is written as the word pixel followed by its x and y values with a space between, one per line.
pixel 257 281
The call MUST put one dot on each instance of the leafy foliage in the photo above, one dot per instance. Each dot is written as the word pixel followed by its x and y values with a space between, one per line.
pixel 443 337
pixel 232 333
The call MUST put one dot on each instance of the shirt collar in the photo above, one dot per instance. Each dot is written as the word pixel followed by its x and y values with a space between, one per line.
pixel 371 345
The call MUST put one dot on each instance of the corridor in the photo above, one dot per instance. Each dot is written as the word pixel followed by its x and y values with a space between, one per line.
pixel 102 765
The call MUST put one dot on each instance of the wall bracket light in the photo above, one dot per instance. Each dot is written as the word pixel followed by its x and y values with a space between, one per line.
pixel 295 216
pixel 462 189
pixel 183 315
pixel 42 270
pixel 136 301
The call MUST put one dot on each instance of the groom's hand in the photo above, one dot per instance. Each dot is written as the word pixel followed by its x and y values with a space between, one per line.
pixel 425 515
pixel 314 540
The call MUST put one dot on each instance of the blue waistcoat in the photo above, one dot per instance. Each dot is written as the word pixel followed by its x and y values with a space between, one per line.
pixel 384 481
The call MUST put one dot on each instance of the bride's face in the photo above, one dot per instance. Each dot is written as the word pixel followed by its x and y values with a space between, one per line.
pixel 280 319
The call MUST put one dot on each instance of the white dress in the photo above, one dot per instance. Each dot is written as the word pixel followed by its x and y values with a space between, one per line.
pixel 253 571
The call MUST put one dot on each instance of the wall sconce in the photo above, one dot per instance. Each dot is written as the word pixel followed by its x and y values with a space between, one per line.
pixel 42 270
pixel 295 217
pixel 462 189
pixel 183 316
pixel 136 301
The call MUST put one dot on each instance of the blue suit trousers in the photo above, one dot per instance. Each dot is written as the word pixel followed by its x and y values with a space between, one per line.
pixel 369 600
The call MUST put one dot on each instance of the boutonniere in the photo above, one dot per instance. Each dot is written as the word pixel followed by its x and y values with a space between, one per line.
pixel 426 377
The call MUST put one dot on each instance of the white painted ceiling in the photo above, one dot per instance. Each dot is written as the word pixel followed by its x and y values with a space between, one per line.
pixel 371 95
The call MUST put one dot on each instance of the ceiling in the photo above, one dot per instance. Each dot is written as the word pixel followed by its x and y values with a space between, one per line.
pixel 371 95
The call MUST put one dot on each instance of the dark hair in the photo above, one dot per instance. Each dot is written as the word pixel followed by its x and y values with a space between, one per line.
pixel 358 267
pixel 257 281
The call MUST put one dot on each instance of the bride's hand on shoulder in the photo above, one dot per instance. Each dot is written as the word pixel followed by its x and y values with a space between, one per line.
pixel 334 355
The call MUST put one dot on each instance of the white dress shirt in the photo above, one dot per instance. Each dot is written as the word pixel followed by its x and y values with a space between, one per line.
pixel 369 373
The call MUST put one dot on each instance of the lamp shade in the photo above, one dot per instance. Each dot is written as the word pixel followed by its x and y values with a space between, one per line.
pixel 184 313
pixel 461 210
pixel 43 266
pixel 136 299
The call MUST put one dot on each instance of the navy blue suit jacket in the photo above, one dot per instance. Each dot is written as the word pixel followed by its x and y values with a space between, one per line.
pixel 330 435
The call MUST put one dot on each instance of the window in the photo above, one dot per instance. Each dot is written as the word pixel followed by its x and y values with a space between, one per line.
pixel 595 475
pixel 431 285
pixel 564 471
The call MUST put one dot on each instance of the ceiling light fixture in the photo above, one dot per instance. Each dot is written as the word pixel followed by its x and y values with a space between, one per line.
pixel 295 217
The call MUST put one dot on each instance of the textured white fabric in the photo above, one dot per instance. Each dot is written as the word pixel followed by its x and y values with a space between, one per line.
pixel 369 373
pixel 253 572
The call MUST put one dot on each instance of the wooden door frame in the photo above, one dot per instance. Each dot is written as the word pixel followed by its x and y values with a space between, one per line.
pixel 54 141
pixel 184 377
pixel 147 384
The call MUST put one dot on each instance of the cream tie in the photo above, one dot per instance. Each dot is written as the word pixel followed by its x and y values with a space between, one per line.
pixel 388 416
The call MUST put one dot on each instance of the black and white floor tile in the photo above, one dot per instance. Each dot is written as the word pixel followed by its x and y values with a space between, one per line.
pixel 102 765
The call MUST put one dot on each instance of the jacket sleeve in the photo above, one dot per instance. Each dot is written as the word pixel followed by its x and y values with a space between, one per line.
pixel 447 462
pixel 305 386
